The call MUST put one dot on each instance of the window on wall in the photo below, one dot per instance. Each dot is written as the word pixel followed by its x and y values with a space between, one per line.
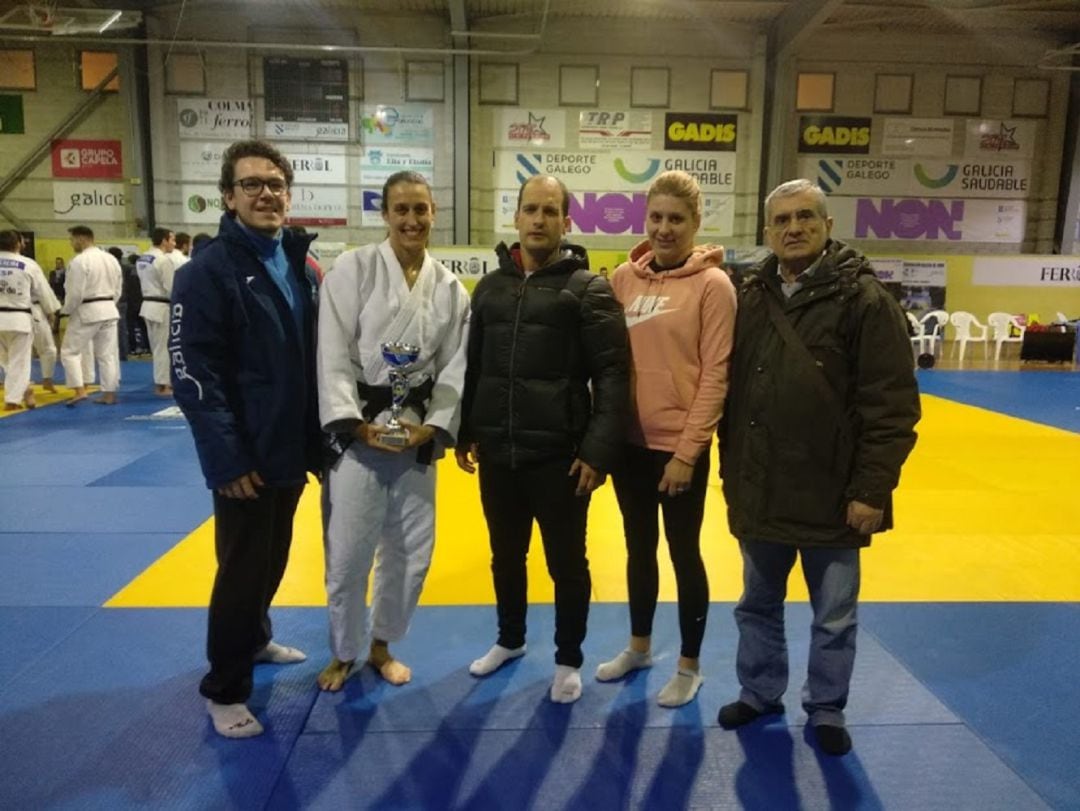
pixel 424 81
pixel 814 91
pixel 1031 98
pixel 579 84
pixel 650 87
pixel 498 83
pixel 95 66
pixel 727 90
pixel 963 95
pixel 17 70
pixel 184 74
pixel 892 93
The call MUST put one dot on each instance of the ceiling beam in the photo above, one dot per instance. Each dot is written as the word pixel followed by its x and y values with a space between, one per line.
pixel 797 22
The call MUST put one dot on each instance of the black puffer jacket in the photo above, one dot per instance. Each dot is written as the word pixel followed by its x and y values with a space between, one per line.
pixel 790 464
pixel 535 345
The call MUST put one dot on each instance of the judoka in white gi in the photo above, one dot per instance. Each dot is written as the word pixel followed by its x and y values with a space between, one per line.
pixel 93 287
pixel 156 271
pixel 379 500
pixel 21 284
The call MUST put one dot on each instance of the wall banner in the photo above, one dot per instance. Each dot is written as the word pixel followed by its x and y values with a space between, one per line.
pixel 201 203
pixel 1000 139
pixel 614 129
pixel 378 163
pixel 710 132
pixel 319 205
pixel 371 208
pixel 526 128
pixel 932 137
pixel 612 171
pixel 89 202
pixel 1062 272
pixel 834 134
pixel 201 160
pixel 468 263
pixel 399 124
pixel 942 220
pixel 612 213
pixel 227 119
pixel 81 158
pixel 919 177
pixel 317 165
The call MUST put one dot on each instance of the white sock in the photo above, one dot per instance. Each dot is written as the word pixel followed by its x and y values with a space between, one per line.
pixel 233 720
pixel 566 688
pixel 280 654
pixel 626 662
pixel 494 659
pixel 680 689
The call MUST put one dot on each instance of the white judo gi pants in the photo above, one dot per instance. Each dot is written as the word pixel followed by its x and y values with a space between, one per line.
pixel 100 337
pixel 377 507
pixel 44 343
pixel 158 333
pixel 15 358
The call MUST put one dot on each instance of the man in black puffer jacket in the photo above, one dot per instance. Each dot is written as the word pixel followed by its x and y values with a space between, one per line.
pixel 819 419
pixel 544 330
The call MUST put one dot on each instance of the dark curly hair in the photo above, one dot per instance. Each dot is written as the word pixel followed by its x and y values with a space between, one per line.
pixel 250 149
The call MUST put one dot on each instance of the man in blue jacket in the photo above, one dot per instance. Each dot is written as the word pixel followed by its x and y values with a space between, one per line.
pixel 241 342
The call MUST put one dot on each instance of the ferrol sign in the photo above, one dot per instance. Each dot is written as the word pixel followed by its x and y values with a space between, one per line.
pixel 1062 272
pixel 228 119
pixel 834 134
pixel 703 131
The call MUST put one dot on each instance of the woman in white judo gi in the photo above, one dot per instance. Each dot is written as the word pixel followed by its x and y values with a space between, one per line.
pixel 379 499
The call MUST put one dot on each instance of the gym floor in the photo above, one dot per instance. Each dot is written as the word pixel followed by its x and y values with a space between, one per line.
pixel 965 694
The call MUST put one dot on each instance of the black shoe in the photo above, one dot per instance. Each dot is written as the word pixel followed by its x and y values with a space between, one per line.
pixel 737 714
pixel 833 740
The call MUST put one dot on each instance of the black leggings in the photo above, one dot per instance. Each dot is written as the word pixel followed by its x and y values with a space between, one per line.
pixel 635 484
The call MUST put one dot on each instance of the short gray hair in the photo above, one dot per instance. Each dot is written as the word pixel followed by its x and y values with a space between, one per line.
pixel 799 186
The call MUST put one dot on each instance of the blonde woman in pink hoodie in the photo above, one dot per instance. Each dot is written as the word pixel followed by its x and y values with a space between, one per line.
pixel 680 314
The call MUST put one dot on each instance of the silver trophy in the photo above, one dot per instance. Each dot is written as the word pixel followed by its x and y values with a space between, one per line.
pixel 400 357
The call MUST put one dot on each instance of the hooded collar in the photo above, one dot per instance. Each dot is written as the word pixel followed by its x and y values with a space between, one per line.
pixel 701 257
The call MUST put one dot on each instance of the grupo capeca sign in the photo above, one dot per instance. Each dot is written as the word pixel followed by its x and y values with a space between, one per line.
pixel 928 220
pixel 715 173
pixel 71 158
pixel 919 178
pixel 320 165
pixel 614 213
pixel 226 119
pixel 89 202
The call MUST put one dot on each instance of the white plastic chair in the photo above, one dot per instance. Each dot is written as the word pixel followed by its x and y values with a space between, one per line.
pixel 936 333
pixel 968 330
pixel 1003 325
pixel 1062 319
pixel 918 334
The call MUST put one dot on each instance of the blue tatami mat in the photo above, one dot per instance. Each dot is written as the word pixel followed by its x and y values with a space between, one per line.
pixel 1009 670
pixel 557 765
pixel 28 509
pixel 1047 397
pixel 26 634
pixel 74 568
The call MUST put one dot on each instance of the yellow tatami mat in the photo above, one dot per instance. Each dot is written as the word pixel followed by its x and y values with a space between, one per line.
pixel 44 398
pixel 985 512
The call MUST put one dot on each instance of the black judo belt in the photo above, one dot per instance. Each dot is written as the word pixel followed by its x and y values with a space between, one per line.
pixel 376 400
pixel 156 298
pixel 14 309
pixel 92 300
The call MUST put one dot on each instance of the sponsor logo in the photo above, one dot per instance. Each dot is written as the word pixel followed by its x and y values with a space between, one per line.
pixel 644 308
pixel 834 134
pixel 1002 140
pixel 197 204
pixel 637 177
pixel 610 213
pixel 92 198
pixel 528 131
pixel 909 219
pixel 704 131
pixel 936 182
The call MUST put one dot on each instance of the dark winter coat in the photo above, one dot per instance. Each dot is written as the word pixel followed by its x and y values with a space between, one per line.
pixel 536 345
pixel 790 462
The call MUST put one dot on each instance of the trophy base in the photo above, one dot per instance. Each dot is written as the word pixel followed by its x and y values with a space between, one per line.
pixel 395 437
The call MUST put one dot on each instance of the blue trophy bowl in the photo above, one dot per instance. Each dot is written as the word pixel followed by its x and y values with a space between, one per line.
pixel 400 355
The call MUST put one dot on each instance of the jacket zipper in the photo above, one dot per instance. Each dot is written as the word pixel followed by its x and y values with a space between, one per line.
pixel 513 353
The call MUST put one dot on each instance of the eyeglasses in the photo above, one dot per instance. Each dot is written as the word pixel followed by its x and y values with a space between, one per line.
pixel 253 186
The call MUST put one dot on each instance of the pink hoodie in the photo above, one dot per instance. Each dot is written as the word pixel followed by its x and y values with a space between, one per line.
pixel 681 324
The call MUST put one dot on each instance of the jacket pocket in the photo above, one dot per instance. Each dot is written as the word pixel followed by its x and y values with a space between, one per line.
pixel 803 488
pixel 657 401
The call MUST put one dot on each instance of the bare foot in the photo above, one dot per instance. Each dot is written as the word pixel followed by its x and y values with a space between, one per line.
pixel 334 675
pixel 109 398
pixel 395 672
pixel 29 400
pixel 47 384
pixel 12 407
pixel 74 401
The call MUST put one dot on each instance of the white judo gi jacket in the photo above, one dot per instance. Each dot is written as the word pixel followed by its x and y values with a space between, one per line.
pixel 364 302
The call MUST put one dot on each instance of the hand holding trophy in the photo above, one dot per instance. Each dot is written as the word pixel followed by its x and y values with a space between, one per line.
pixel 400 357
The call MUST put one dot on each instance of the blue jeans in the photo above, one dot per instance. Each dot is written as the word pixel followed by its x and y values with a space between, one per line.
pixel 832 578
